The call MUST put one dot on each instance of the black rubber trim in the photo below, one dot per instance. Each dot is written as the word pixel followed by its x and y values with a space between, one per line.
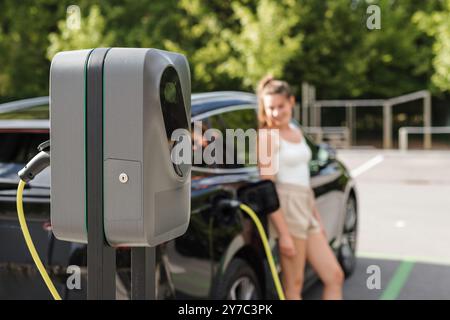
pixel 101 257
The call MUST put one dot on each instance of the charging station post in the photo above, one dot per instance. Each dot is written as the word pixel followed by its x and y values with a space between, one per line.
pixel 113 112
pixel 101 258
pixel 143 286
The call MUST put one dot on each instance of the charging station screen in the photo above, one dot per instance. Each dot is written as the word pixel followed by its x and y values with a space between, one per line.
pixel 172 103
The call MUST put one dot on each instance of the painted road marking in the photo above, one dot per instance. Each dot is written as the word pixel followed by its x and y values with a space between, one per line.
pixel 367 165
pixel 398 257
pixel 397 281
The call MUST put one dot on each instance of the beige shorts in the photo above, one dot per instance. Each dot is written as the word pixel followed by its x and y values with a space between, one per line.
pixel 296 203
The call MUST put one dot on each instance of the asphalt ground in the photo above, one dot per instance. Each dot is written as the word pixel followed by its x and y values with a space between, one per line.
pixel 404 225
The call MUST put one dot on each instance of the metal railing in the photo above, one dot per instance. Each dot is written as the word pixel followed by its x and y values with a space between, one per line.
pixel 337 137
pixel 311 111
pixel 404 131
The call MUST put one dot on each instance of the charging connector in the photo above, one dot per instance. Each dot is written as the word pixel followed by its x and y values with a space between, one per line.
pixel 231 203
pixel 37 164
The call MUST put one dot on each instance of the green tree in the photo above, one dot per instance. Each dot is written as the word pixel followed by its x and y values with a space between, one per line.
pixel 437 25
pixel 24 28
pixel 199 38
pixel 265 42
pixel 87 33
pixel 343 58
pixel 231 44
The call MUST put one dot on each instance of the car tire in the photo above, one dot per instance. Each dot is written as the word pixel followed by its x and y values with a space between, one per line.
pixel 347 250
pixel 238 283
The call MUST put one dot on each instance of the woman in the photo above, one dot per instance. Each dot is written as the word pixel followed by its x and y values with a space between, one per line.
pixel 297 223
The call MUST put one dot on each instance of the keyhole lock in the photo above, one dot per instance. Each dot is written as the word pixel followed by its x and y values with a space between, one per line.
pixel 123 177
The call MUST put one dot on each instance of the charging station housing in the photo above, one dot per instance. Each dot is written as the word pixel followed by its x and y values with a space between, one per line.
pixel 146 97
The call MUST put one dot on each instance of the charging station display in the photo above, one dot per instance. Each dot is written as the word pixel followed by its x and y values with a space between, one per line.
pixel 172 105
pixel 173 110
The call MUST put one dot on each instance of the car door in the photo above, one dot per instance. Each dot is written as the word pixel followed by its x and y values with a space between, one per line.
pixel 328 188
pixel 189 258
pixel 233 232
pixel 195 257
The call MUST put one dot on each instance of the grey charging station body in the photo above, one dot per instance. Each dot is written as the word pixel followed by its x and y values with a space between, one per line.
pixel 145 96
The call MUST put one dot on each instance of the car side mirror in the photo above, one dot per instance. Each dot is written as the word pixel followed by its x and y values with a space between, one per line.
pixel 325 154
pixel 261 196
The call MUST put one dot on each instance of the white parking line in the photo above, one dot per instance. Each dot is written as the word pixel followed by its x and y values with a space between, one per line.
pixel 367 165
pixel 401 257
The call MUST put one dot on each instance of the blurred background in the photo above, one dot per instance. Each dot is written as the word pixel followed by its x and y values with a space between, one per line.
pixel 372 78
pixel 232 44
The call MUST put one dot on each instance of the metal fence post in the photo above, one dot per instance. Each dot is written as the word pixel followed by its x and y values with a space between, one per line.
pixel 350 111
pixel 387 125
pixel 427 121
pixel 403 139
pixel 315 108
pixel 305 106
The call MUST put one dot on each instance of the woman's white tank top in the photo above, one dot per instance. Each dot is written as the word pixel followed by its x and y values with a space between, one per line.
pixel 294 162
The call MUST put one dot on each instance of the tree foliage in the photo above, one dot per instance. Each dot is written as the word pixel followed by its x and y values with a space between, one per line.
pixel 231 44
pixel 437 25
pixel 90 33
pixel 265 42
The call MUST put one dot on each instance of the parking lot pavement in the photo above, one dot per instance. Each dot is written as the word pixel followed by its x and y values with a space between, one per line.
pixel 402 280
pixel 403 203
pixel 404 215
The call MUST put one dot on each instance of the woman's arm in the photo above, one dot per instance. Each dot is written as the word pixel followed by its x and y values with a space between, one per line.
pixel 286 243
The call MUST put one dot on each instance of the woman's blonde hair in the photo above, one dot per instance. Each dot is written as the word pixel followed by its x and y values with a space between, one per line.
pixel 269 85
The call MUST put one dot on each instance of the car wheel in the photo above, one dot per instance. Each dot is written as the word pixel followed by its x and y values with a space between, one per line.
pixel 347 250
pixel 239 283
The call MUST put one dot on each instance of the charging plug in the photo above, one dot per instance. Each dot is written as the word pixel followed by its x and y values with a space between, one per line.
pixel 37 164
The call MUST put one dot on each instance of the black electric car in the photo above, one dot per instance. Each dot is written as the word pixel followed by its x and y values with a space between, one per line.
pixel 219 257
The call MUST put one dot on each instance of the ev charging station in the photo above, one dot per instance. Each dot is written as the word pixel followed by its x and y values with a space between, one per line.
pixel 117 119
pixel 113 182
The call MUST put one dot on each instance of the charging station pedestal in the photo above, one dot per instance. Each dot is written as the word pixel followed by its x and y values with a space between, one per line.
pixel 113 114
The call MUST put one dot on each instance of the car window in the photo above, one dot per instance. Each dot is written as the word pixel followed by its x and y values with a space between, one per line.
pixel 240 139
pixel 20 147
pixel 234 152
pixel 203 139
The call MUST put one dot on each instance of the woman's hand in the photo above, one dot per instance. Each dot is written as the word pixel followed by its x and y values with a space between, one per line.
pixel 285 240
pixel 287 246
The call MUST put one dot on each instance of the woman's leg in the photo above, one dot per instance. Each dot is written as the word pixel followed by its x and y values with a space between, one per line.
pixel 324 262
pixel 293 270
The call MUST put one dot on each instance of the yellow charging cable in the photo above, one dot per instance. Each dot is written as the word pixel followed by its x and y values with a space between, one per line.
pixel 54 292
pixel 30 245
pixel 265 242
